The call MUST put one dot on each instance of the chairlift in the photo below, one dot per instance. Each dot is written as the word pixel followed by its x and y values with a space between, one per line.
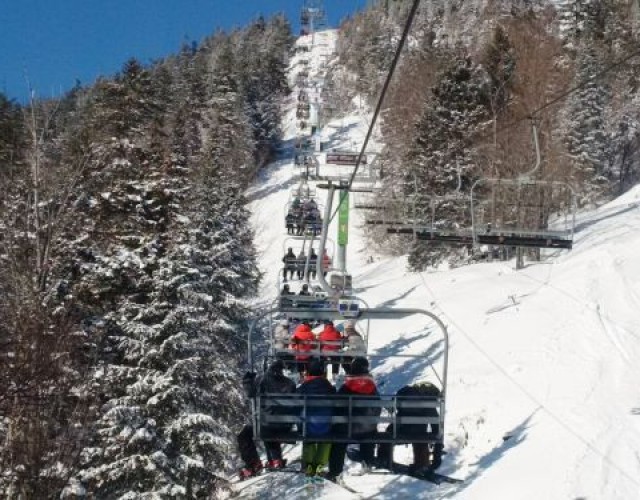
pixel 443 219
pixel 368 199
pixel 293 409
pixel 310 225
pixel 304 242
pixel 344 158
pixel 303 191
pixel 523 212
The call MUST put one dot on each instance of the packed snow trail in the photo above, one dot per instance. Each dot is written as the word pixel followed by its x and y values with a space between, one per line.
pixel 542 396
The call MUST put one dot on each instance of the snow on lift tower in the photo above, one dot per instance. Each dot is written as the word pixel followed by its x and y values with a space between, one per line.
pixel 524 212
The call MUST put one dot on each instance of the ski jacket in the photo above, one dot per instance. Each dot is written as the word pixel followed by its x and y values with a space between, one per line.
pixel 276 383
pixel 303 341
pixel 421 391
pixel 326 262
pixel 332 336
pixel 316 415
pixel 313 260
pixel 362 385
pixel 302 260
pixel 289 259
pixel 309 205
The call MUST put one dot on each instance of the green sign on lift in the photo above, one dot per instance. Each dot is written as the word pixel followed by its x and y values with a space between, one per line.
pixel 343 219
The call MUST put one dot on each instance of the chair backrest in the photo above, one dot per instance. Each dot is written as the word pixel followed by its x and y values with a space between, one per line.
pixel 291 411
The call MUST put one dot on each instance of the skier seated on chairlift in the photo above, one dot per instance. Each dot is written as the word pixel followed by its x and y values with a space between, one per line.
pixel 300 264
pixel 300 224
pixel 357 382
pixel 310 205
pixel 313 221
pixel 326 263
pixel 425 457
pixel 290 221
pixel 355 345
pixel 281 341
pixel 273 381
pixel 330 343
pixel 284 300
pixel 313 259
pixel 289 260
pixel 315 455
pixel 303 341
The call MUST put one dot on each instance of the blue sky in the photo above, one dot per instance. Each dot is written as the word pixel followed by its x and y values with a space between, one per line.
pixel 55 42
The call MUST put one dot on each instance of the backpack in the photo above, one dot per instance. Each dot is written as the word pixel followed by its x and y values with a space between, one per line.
pixel 421 389
pixel 424 389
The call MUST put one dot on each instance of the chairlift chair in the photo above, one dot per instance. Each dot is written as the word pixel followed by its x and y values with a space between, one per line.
pixel 293 408
pixel 525 211
pixel 302 191
pixel 304 243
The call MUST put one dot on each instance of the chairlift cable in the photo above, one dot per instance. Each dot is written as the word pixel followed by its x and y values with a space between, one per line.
pixel 568 92
pixel 385 88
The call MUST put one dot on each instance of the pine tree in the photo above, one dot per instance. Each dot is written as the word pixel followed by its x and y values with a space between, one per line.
pixel 587 141
pixel 440 158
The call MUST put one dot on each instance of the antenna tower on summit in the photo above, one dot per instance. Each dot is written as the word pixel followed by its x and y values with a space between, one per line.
pixel 313 17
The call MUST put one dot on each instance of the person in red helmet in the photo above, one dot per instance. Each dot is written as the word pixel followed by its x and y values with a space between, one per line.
pixel 303 341
pixel 359 382
pixel 331 342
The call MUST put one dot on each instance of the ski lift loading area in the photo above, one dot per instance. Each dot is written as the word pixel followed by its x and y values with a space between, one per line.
pixel 293 412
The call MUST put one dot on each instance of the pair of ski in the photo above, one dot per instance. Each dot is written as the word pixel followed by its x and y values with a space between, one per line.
pixel 426 475
pixel 314 481
pixel 398 468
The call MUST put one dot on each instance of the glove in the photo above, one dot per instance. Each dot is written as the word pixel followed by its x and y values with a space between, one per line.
pixel 249 377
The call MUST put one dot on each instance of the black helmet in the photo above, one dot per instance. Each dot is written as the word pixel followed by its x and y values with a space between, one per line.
pixel 316 367
pixel 277 367
pixel 359 366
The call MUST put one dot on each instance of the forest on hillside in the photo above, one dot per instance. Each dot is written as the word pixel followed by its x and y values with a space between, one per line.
pixel 126 253
pixel 125 258
pixel 473 74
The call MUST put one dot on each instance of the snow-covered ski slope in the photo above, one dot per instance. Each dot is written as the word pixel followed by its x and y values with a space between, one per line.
pixel 543 395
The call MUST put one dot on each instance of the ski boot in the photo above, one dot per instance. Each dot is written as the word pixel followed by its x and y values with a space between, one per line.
pixel 275 464
pixel 250 471
pixel 318 476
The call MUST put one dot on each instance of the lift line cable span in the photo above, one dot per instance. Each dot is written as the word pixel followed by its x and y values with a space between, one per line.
pixel 566 93
pixel 394 63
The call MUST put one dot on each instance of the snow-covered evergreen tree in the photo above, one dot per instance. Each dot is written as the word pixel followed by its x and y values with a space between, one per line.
pixel 441 155
pixel 587 141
